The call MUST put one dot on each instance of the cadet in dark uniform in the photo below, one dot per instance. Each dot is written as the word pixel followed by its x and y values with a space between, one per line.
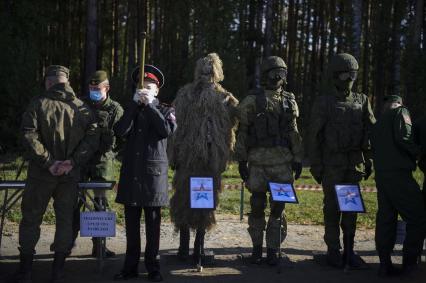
pixel 101 165
pixel 394 155
pixel 60 134
pixel 420 138
pixel 146 125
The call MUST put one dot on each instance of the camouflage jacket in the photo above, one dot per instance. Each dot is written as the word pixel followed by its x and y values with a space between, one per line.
pixel 339 131
pixel 58 126
pixel 277 102
pixel 101 165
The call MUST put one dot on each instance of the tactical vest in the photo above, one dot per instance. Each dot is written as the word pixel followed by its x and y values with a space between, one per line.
pixel 266 127
pixel 344 130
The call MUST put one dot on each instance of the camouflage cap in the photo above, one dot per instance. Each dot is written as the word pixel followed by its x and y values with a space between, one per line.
pixel 343 62
pixel 98 77
pixel 272 62
pixel 393 98
pixel 57 71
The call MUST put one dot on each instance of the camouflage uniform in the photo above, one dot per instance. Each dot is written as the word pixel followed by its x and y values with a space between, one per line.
pixel 56 126
pixel 269 159
pixel 101 166
pixel 339 148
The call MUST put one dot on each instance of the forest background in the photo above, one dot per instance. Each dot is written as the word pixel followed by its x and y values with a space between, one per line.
pixel 386 36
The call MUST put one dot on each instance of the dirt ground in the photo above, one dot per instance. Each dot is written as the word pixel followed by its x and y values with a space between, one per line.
pixel 231 245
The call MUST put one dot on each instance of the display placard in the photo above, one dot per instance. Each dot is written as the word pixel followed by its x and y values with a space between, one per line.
pixel 349 198
pixel 97 224
pixel 283 192
pixel 201 192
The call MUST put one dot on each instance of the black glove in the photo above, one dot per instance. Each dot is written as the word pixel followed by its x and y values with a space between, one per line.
pixel 243 170
pixel 297 169
pixel 368 171
pixel 316 172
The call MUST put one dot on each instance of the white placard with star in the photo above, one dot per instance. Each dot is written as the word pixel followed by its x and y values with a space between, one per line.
pixel 201 192
pixel 283 192
pixel 349 198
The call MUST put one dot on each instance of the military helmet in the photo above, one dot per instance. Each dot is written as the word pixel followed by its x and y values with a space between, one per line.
pixel 272 62
pixel 343 62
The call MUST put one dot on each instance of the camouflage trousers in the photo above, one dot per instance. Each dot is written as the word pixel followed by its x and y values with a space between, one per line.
pixel 259 176
pixel 333 218
pixel 35 199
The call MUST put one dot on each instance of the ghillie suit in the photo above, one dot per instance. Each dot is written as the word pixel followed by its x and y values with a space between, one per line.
pixel 201 146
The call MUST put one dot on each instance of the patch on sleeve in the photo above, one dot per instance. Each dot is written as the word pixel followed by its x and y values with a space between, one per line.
pixel 406 118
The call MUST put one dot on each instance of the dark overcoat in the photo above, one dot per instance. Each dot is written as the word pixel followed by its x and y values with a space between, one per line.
pixel 143 176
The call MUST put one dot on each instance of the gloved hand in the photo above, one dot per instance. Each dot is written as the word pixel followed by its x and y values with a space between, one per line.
pixel 243 170
pixel 297 169
pixel 316 173
pixel 137 97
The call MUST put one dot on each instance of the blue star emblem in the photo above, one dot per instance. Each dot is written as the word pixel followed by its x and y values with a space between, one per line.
pixel 202 196
pixel 350 197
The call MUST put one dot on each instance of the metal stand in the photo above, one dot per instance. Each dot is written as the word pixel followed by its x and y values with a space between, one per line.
pixel 280 255
pixel 242 202
pixel 347 240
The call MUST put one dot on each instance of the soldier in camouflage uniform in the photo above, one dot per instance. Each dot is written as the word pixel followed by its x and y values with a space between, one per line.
pixel 268 148
pixel 339 151
pixel 60 134
pixel 101 165
pixel 395 153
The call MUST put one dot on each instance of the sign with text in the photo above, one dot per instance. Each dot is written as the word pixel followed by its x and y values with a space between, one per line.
pixel 201 192
pixel 97 224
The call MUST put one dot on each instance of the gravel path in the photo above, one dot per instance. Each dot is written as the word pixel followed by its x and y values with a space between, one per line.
pixel 231 245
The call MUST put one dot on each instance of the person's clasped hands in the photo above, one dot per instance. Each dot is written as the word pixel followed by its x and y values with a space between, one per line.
pixel 59 168
pixel 144 96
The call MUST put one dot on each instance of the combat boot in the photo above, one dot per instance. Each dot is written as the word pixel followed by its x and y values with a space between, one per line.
pixel 58 267
pixel 334 258
pixel 256 255
pixel 409 265
pixel 23 274
pixel 271 257
pixel 350 258
pixel 183 251
pixel 386 268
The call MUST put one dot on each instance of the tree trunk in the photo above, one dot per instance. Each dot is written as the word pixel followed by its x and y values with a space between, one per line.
pixel 91 44
pixel 366 45
pixel 116 34
pixel 356 28
pixel 268 28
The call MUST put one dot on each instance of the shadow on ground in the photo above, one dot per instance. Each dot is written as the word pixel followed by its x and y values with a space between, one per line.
pixel 230 265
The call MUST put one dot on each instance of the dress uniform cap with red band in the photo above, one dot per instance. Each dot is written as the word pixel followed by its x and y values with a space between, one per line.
pixel 151 73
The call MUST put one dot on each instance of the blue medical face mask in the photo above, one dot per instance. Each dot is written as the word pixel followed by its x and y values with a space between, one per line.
pixel 96 95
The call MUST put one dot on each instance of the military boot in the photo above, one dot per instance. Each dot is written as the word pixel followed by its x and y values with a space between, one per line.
pixel 334 258
pixel 409 264
pixel 199 246
pixel 386 268
pixel 58 267
pixel 23 274
pixel 183 251
pixel 350 258
pixel 256 255
pixel 271 257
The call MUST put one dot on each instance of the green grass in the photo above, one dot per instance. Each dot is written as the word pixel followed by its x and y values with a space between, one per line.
pixel 308 211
